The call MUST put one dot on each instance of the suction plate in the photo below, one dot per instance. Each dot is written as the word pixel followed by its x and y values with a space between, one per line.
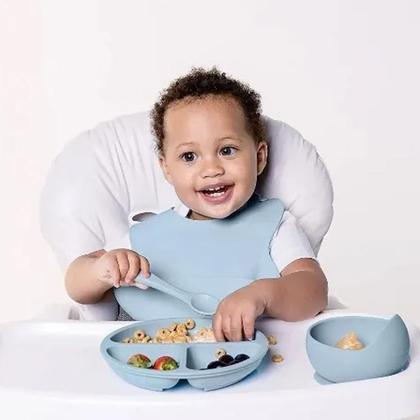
pixel 192 358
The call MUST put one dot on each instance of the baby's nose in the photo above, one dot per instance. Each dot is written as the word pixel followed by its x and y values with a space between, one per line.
pixel 212 167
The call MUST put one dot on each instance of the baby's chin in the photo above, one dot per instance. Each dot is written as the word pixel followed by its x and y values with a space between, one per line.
pixel 206 215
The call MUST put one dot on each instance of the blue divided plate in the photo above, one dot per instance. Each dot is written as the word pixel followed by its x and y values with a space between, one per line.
pixel 192 357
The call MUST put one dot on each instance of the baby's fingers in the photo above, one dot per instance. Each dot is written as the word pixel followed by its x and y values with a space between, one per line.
pixel 235 328
pixel 248 323
pixel 134 268
pixel 144 271
pixel 217 327
pixel 113 271
pixel 123 264
pixel 145 267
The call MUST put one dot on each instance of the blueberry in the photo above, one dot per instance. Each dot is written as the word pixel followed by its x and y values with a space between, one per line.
pixel 214 364
pixel 241 357
pixel 225 359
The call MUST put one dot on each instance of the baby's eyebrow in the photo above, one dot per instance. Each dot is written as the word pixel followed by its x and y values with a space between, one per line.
pixel 230 138
pixel 191 143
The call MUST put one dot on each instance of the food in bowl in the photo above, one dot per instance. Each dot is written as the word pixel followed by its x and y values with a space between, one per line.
pixel 226 360
pixel 350 342
pixel 175 333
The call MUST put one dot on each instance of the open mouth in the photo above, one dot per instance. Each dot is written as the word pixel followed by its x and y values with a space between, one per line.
pixel 217 194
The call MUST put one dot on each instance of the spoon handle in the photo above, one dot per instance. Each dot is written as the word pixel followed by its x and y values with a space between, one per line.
pixel 157 283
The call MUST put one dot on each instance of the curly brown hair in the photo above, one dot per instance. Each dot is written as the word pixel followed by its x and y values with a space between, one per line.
pixel 200 83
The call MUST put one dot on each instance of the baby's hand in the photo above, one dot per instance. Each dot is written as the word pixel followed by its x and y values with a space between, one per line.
pixel 236 313
pixel 120 266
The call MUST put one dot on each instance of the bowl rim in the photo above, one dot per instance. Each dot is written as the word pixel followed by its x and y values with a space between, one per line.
pixel 309 335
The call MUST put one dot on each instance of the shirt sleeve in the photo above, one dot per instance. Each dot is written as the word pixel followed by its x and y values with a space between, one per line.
pixel 289 243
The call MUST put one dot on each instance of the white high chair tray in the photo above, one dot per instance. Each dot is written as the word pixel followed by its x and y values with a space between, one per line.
pixel 51 370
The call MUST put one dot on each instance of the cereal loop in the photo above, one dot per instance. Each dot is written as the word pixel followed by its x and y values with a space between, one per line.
pixel 202 332
pixel 220 352
pixel 139 334
pixel 163 333
pixel 175 333
pixel 277 358
pixel 272 340
pixel 181 329
pixel 190 324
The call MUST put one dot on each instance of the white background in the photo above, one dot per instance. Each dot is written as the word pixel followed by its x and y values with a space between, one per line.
pixel 343 73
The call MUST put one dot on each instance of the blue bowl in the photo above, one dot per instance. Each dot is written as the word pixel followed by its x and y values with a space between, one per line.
pixel 386 351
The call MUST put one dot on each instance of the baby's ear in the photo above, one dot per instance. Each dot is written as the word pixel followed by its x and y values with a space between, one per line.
pixel 164 166
pixel 262 154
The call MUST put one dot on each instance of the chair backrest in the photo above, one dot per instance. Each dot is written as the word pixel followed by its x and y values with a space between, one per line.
pixel 108 175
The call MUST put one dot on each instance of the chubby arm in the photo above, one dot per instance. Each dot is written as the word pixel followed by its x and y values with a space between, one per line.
pixel 81 282
pixel 300 293
pixel 90 276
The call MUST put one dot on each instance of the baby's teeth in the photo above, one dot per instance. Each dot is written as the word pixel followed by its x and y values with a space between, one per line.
pixel 215 194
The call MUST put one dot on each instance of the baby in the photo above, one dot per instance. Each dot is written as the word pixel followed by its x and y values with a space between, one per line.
pixel 212 146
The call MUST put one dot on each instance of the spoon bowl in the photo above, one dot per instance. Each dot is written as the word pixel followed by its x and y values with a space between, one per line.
pixel 201 303
pixel 204 304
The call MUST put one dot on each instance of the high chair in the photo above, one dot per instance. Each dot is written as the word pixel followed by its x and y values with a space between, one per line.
pixel 107 179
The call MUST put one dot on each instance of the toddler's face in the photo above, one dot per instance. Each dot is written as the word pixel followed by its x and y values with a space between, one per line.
pixel 209 157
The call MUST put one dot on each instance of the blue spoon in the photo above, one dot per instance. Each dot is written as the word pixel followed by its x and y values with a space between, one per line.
pixel 201 303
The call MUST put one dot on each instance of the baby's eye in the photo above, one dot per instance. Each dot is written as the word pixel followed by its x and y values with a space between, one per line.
pixel 228 151
pixel 188 156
